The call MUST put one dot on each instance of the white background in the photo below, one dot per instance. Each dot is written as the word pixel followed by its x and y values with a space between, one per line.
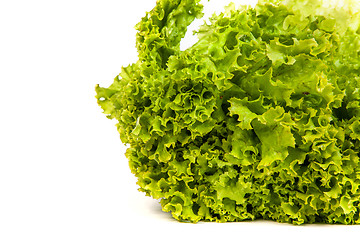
pixel 63 174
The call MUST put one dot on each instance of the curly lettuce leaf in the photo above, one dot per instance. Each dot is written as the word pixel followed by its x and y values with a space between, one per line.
pixel 258 119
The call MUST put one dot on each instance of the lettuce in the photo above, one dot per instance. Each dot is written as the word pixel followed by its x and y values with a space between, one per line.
pixel 260 119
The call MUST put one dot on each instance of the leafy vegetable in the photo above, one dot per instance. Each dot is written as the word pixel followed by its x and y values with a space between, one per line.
pixel 259 119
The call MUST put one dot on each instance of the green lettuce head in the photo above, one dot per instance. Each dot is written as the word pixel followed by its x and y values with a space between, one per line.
pixel 260 119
